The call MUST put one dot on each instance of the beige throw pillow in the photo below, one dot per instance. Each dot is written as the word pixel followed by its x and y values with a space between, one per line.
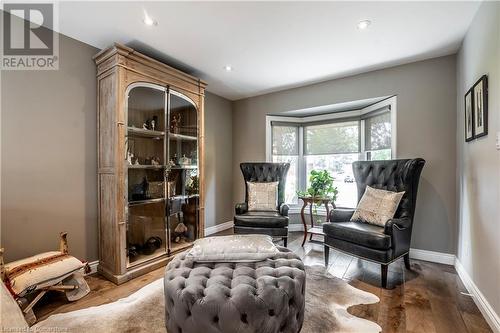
pixel 377 206
pixel 262 196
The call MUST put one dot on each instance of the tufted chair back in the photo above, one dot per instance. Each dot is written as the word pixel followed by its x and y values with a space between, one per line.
pixel 263 172
pixel 392 175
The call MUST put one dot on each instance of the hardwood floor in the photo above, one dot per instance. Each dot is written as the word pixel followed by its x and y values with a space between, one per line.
pixel 430 298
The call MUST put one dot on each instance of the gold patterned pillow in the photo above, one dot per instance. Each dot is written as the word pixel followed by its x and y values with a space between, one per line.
pixel 377 206
pixel 262 196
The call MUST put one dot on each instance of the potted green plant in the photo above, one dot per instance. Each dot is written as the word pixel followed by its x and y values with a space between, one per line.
pixel 321 187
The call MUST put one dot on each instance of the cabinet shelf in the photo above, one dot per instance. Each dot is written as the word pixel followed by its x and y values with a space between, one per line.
pixel 135 131
pixel 175 247
pixel 182 167
pixel 145 202
pixel 177 197
pixel 182 137
pixel 142 258
pixel 155 167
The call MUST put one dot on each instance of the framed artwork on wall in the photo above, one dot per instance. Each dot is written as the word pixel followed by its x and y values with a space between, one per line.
pixel 469 117
pixel 480 107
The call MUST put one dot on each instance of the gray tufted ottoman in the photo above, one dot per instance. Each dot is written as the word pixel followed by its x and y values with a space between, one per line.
pixel 260 297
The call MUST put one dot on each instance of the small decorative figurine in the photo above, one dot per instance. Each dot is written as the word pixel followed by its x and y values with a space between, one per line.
pixel 194 157
pixel 179 232
pixel 132 159
pixel 150 124
pixel 155 160
pixel 130 156
pixel 154 123
pixel 151 245
pixel 171 163
pixel 175 123
pixel 133 250
pixel 140 191
pixel 184 160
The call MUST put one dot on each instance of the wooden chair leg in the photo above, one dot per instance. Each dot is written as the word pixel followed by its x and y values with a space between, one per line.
pixel 327 255
pixel 2 266
pixel 34 301
pixel 383 270
pixel 29 315
pixel 63 242
pixel 407 261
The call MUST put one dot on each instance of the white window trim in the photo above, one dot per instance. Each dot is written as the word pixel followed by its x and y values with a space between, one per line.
pixel 391 102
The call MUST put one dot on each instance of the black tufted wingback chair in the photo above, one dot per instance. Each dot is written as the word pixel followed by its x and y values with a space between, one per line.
pixel 274 224
pixel 380 244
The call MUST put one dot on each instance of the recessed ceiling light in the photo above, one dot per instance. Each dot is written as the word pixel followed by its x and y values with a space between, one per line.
pixel 362 25
pixel 228 68
pixel 148 20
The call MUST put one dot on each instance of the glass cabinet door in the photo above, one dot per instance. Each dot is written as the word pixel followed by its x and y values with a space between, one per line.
pixel 145 164
pixel 182 179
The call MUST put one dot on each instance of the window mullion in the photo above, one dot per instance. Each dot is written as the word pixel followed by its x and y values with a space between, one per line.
pixel 302 162
pixel 362 140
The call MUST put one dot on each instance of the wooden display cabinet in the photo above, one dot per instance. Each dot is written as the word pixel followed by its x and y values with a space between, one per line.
pixel 150 162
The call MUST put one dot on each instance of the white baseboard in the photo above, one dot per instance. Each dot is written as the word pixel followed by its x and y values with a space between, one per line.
pixel 218 228
pixel 93 267
pixel 482 303
pixel 432 256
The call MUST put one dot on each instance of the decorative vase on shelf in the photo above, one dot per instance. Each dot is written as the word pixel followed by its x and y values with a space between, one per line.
pixel 184 160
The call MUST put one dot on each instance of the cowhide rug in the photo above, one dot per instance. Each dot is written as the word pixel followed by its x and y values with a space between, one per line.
pixel 327 301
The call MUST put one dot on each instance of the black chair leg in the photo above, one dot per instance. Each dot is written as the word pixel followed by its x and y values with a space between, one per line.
pixel 407 261
pixel 383 270
pixel 327 255
pixel 285 241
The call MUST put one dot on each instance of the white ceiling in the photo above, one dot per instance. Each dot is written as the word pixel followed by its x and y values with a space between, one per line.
pixel 273 45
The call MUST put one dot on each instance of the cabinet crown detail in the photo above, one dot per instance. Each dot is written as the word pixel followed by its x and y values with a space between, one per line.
pixel 124 56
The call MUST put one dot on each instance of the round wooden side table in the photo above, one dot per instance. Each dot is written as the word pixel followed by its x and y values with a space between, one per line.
pixel 314 230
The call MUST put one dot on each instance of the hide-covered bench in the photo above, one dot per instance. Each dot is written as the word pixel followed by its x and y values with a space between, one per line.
pixel 264 297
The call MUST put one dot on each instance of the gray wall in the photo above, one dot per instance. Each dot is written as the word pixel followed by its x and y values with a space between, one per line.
pixel 479 161
pixel 49 168
pixel 49 158
pixel 218 160
pixel 426 127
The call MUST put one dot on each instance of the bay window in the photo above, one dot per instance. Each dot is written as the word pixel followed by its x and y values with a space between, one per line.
pixel 331 142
